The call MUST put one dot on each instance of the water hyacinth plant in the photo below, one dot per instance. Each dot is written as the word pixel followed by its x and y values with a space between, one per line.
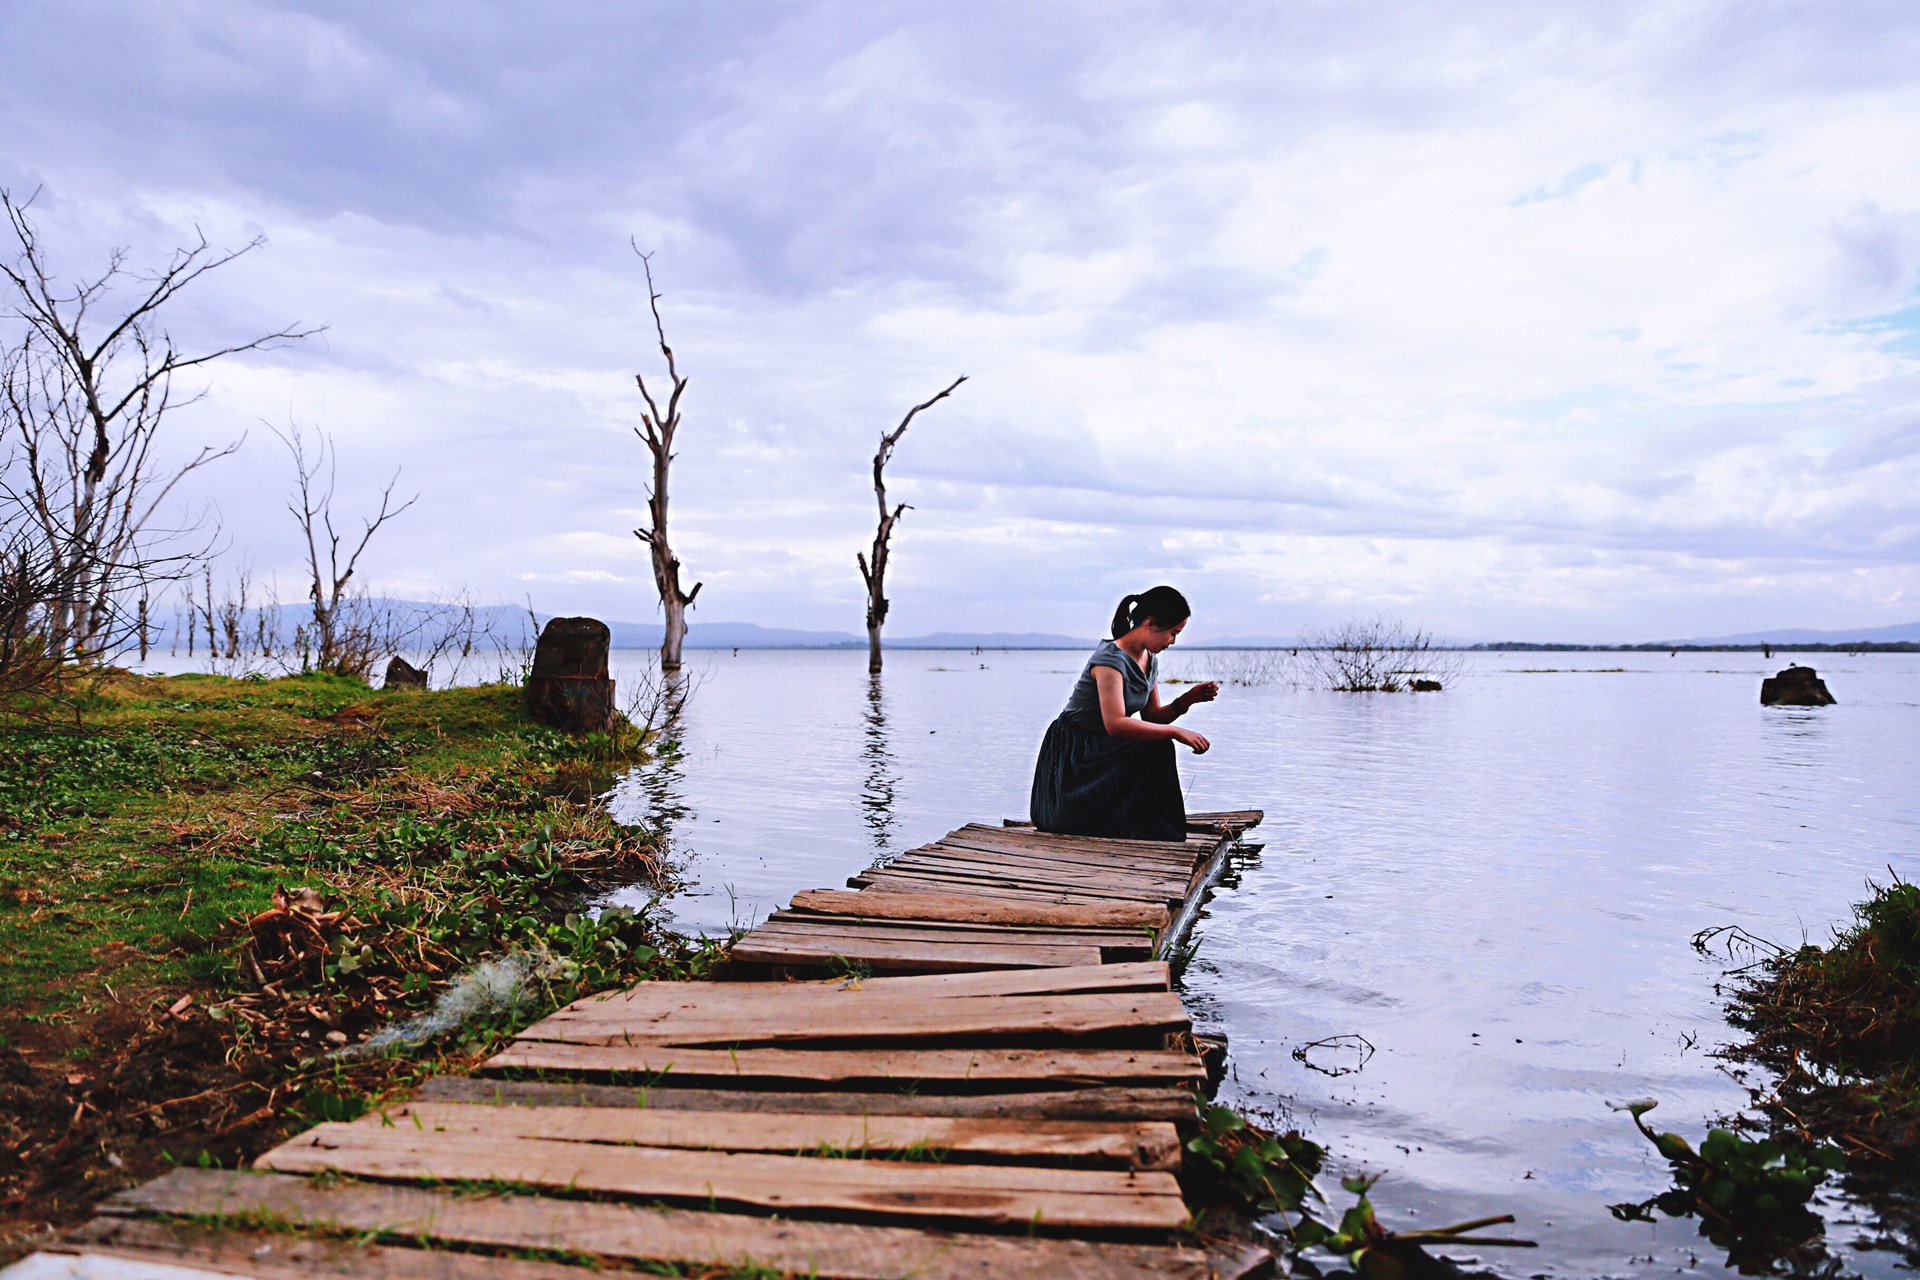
pixel 1750 1195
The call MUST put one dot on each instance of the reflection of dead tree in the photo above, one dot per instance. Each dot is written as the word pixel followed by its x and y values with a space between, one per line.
pixel 656 698
pixel 874 571
pixel 1381 656
pixel 348 633
pixel 657 430
pixel 84 392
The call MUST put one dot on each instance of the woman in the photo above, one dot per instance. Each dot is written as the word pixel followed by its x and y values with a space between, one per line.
pixel 1102 772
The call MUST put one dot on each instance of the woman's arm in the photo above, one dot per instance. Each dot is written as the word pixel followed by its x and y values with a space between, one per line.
pixel 1157 714
pixel 1113 714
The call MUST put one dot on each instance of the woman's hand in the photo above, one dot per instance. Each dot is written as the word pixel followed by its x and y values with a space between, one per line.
pixel 1206 691
pixel 1192 739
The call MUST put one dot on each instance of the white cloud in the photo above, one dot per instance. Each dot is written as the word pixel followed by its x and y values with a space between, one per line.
pixel 1600 324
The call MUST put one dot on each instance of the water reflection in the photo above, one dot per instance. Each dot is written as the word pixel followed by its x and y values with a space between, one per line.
pixel 877 787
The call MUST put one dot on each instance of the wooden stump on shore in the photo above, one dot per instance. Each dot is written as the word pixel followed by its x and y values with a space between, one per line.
pixel 569 687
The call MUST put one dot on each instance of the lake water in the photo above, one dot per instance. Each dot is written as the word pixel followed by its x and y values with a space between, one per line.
pixel 1495 886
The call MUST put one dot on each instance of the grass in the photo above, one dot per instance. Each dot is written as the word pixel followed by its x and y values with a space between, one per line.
pixel 207 884
pixel 1839 1026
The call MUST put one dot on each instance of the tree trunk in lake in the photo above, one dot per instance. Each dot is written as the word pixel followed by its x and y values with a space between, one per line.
pixel 656 432
pixel 874 571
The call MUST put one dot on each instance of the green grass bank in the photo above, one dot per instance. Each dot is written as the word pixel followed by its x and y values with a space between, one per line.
pixel 210 888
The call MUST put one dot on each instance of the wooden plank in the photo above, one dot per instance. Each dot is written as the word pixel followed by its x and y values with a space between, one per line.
pixel 1174 856
pixel 1080 936
pixel 1113 945
pixel 941 906
pixel 920 956
pixel 1134 975
pixel 970 1068
pixel 1030 871
pixel 980 851
pixel 1191 842
pixel 1018 866
pixel 1003 1195
pixel 845 1251
pixel 283 1255
pixel 1197 845
pixel 895 1017
pixel 1173 1106
pixel 1134 1146
pixel 963 879
pixel 1071 856
pixel 880 880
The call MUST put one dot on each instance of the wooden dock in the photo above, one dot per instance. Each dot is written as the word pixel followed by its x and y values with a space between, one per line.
pixel 992 1079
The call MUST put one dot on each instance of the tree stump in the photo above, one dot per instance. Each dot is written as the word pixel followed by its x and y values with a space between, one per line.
pixel 402 674
pixel 1795 687
pixel 569 688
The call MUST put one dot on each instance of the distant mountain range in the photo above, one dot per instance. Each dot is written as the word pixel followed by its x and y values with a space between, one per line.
pixel 1904 631
pixel 512 627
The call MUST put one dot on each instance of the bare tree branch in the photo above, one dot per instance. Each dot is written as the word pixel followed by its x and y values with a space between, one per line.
pixel 345 636
pixel 86 384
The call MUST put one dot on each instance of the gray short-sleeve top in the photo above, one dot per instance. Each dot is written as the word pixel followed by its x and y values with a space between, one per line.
pixel 1083 705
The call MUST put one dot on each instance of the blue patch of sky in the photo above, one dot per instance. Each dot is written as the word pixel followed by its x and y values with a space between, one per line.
pixel 1587 403
pixel 1585 176
pixel 1898 330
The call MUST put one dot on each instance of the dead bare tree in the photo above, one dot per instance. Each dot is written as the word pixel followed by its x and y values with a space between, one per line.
pixel 347 633
pixel 86 385
pixel 657 430
pixel 874 571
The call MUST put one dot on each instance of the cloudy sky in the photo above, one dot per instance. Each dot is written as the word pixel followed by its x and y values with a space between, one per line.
pixel 1585 322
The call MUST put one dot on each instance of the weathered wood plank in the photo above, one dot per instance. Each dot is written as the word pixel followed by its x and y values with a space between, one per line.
pixel 282 1255
pixel 1021 870
pixel 1065 855
pixel 1172 1105
pixel 1113 945
pixel 1192 840
pixel 880 880
pixel 963 879
pixel 1068 848
pixel 1004 1195
pixel 1044 934
pixel 1131 1145
pixel 963 1067
pixel 894 1017
pixel 845 1251
pixel 941 906
pixel 1133 975
pixel 921 957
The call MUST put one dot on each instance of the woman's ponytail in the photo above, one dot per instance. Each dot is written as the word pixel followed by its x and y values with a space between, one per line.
pixel 1163 606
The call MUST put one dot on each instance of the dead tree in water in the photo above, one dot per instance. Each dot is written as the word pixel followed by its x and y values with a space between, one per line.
pixel 657 431
pixel 875 571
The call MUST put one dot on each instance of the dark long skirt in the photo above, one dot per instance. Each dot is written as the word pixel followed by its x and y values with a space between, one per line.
pixel 1094 784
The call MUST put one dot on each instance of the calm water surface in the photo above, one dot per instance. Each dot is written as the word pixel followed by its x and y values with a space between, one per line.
pixel 1495 886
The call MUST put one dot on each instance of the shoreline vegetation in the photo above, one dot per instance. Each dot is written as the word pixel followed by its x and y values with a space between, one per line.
pixel 215 893
pixel 1837 1028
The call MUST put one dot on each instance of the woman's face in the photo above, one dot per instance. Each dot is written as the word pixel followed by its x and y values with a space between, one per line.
pixel 1160 639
